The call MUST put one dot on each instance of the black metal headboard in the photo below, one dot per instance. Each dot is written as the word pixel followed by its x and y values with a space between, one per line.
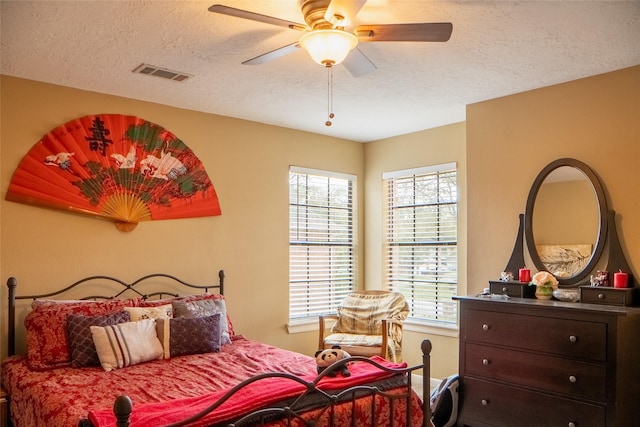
pixel 120 288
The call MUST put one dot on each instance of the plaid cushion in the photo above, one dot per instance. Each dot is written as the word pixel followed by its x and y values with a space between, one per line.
pixel 362 313
pixel 83 351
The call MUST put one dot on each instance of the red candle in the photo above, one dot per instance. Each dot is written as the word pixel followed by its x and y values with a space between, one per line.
pixel 524 275
pixel 620 279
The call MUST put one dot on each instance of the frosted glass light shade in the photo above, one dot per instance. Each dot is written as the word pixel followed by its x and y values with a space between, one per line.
pixel 328 47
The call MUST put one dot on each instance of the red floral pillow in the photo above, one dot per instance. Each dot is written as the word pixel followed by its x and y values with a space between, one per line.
pixel 47 340
pixel 155 302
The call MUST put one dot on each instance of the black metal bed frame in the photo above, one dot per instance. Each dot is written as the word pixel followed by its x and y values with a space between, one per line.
pixel 290 410
pixel 293 410
pixel 121 286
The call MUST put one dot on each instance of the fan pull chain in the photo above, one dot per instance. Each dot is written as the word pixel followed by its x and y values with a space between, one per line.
pixel 329 95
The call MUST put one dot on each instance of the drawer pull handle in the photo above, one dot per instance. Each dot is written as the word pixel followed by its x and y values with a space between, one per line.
pixel 485 362
pixel 571 424
pixel 505 289
pixel 573 338
pixel 572 379
pixel 600 296
pixel 484 402
pixel 485 327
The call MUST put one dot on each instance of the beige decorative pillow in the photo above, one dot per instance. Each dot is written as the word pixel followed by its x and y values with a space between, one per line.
pixel 126 344
pixel 159 312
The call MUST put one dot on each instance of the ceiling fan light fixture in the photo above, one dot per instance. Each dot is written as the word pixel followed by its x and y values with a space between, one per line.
pixel 328 47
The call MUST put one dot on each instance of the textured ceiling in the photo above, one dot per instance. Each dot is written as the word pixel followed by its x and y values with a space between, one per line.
pixel 497 48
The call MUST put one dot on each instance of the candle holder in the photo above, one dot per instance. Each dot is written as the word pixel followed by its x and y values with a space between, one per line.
pixel 620 279
pixel 524 275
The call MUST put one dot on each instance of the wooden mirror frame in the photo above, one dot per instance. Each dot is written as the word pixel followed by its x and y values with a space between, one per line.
pixel 602 222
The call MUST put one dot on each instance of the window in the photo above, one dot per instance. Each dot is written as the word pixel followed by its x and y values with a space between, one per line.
pixel 420 244
pixel 322 241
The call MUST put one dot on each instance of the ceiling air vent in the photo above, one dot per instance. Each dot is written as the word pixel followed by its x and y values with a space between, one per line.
pixel 165 73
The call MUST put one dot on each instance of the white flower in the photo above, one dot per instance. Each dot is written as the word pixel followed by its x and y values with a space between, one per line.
pixel 544 278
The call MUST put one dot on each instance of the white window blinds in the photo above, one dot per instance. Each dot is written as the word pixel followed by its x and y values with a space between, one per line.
pixel 322 241
pixel 420 244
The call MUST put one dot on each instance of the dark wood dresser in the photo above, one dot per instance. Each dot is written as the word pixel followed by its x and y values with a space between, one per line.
pixel 528 362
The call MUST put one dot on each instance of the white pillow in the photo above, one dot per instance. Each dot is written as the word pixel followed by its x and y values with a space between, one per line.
pixel 159 312
pixel 126 344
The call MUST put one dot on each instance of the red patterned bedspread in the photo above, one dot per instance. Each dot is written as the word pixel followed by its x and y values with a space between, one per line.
pixel 63 397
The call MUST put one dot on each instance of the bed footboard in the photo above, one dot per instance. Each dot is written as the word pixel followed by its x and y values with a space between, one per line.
pixel 123 406
pixel 122 409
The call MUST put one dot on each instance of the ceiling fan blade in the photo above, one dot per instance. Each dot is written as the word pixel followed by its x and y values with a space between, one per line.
pixel 358 64
pixel 342 12
pixel 425 32
pixel 239 13
pixel 277 53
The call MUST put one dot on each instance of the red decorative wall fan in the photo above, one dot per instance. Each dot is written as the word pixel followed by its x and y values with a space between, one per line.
pixel 121 168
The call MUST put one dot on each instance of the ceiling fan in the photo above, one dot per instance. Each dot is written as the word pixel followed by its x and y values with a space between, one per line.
pixel 326 38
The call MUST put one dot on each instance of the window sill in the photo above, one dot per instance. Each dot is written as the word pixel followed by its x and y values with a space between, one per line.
pixel 414 325
pixel 302 325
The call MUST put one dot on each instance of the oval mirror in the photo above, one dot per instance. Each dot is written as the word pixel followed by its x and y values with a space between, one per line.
pixel 566 220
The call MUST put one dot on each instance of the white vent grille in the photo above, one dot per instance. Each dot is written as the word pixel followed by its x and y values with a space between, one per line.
pixel 165 73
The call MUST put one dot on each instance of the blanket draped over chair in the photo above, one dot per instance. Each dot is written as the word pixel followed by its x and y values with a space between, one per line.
pixel 366 321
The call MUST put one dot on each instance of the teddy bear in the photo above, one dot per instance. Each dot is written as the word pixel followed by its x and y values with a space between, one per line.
pixel 327 357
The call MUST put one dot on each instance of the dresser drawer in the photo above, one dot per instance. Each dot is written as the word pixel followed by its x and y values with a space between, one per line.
pixel 572 378
pixel 608 295
pixel 513 289
pixel 573 338
pixel 487 403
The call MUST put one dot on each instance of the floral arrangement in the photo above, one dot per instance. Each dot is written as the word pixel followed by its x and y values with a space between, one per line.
pixel 545 283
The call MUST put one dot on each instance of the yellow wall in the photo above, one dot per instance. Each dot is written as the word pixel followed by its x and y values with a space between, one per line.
pixel 248 164
pixel 510 140
pixel 499 150
pixel 430 147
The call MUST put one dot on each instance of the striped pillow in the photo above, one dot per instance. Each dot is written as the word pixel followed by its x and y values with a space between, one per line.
pixel 126 344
